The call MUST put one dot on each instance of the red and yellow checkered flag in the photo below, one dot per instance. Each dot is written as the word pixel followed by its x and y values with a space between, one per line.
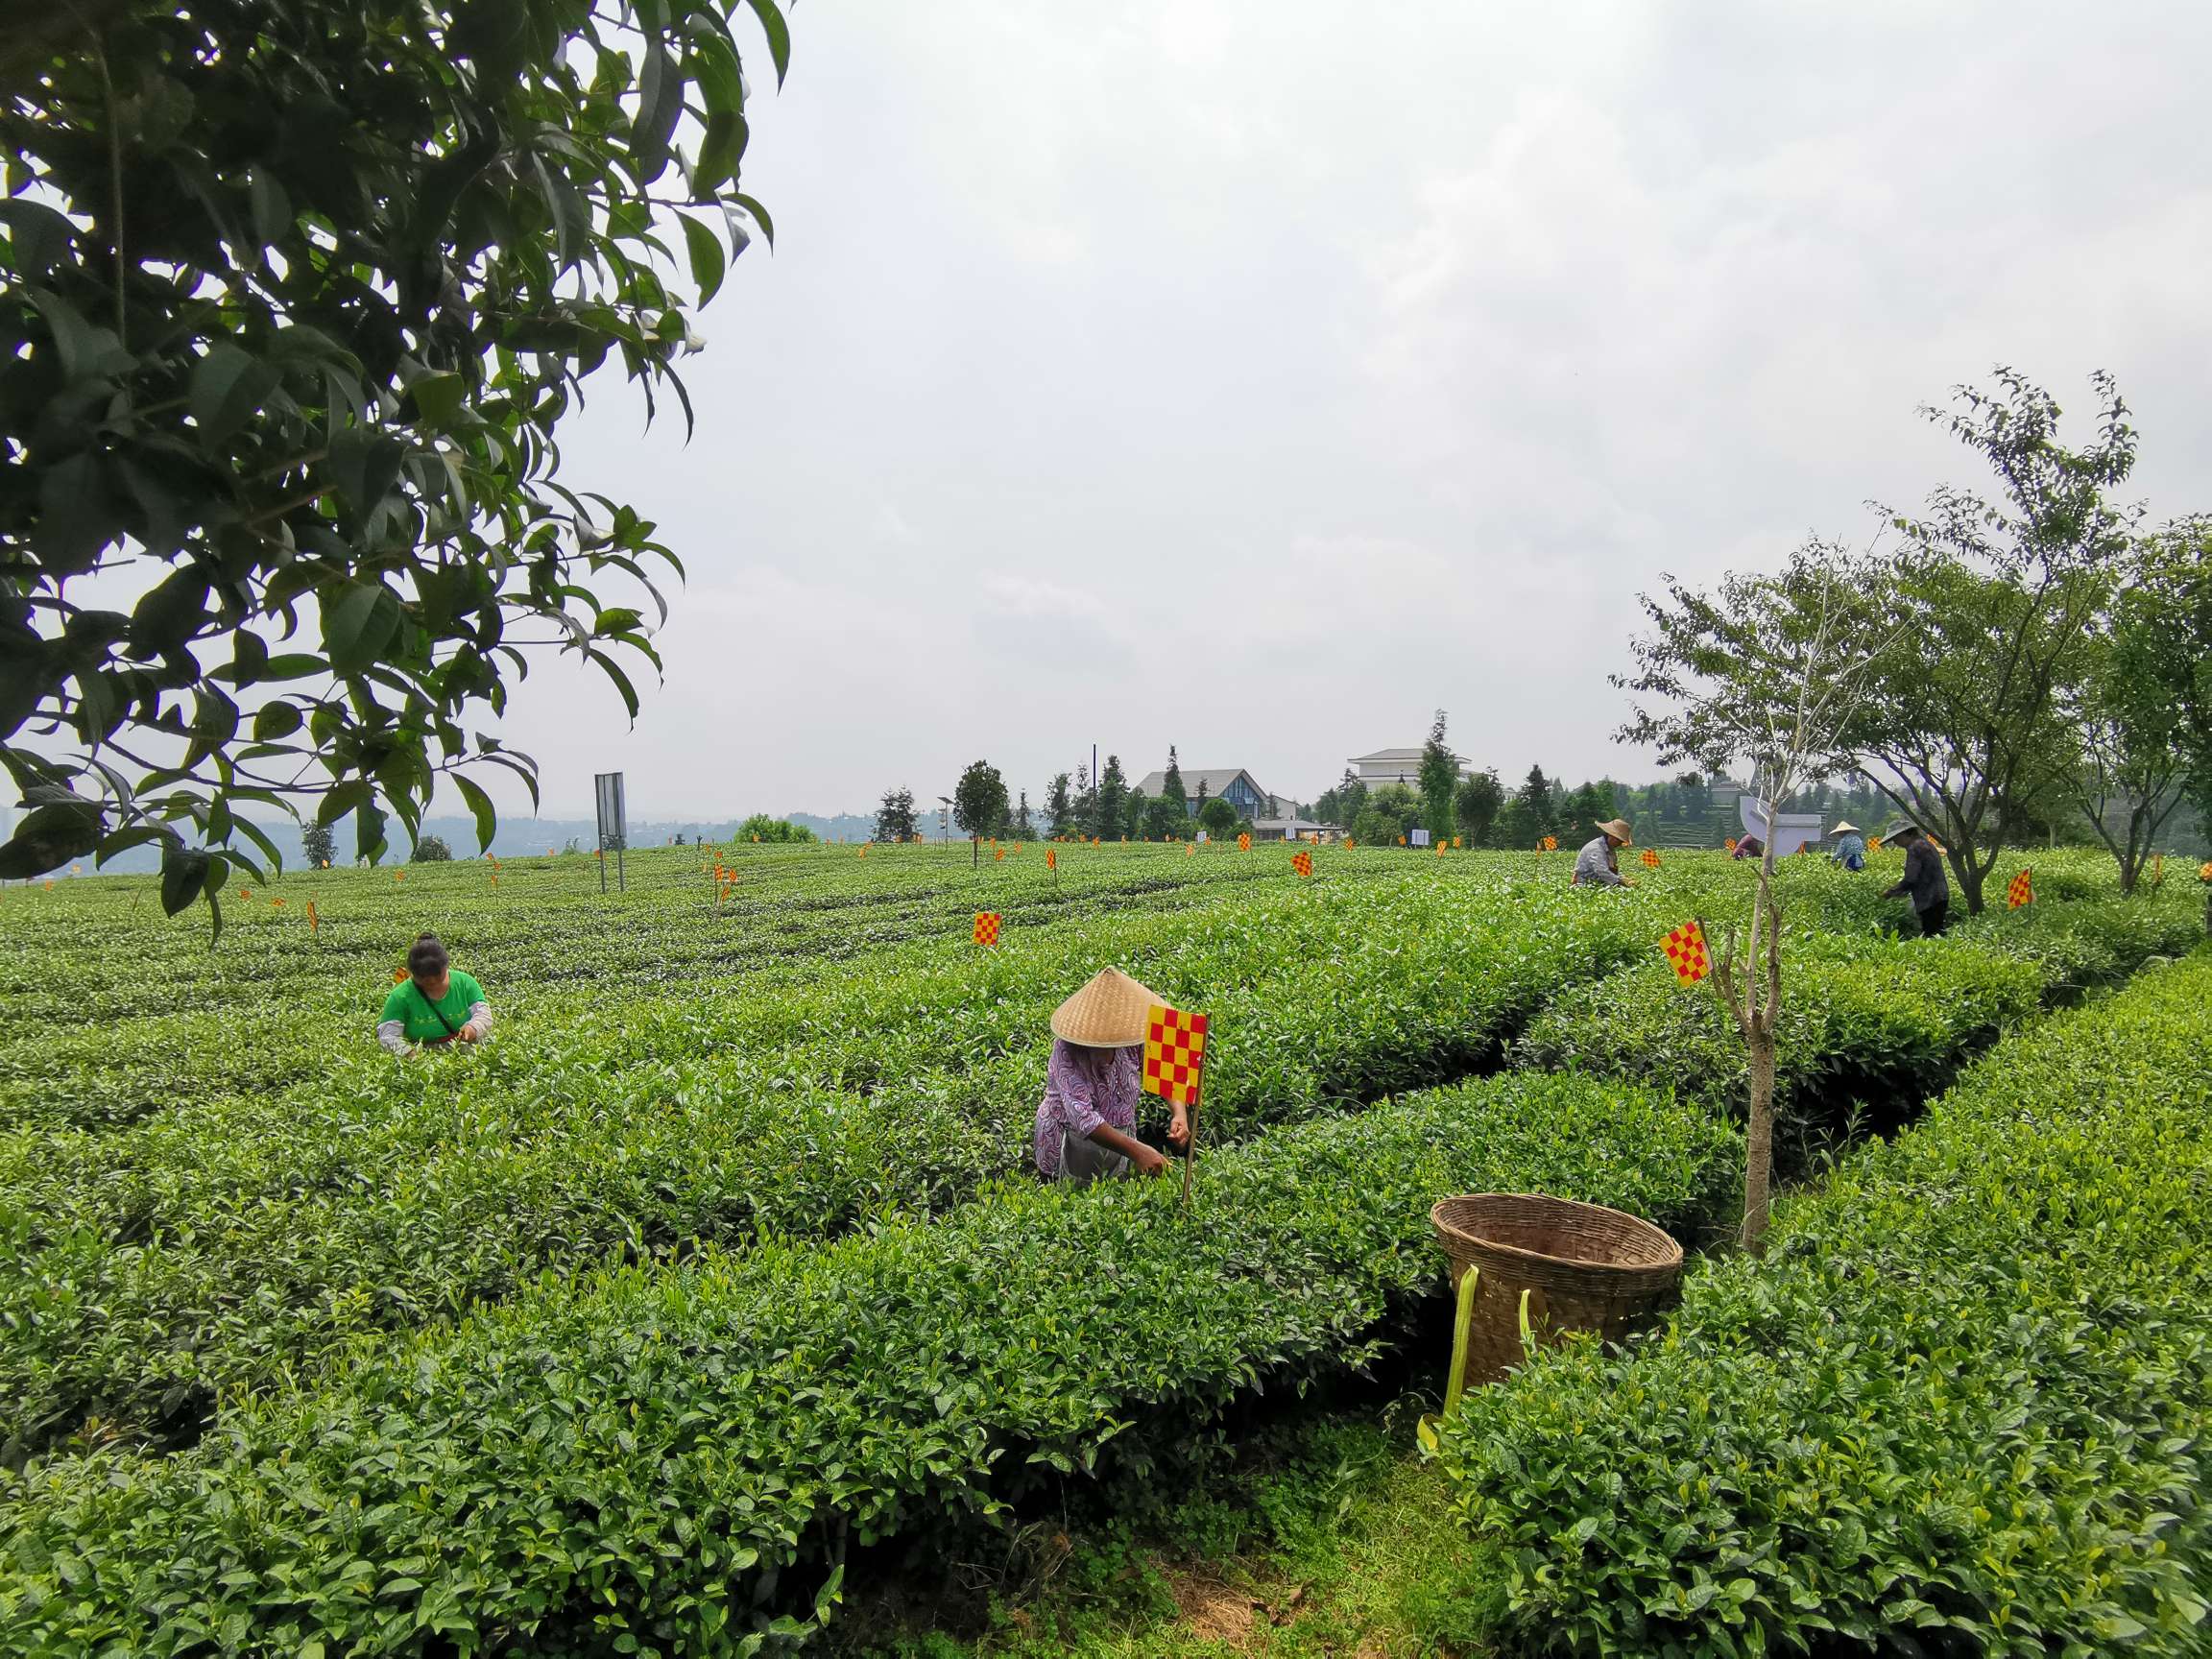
pixel 1730 843
pixel 1302 862
pixel 987 927
pixel 1650 859
pixel 1243 843
pixel 313 921
pixel 1685 949
pixel 2020 890
pixel 1174 1056
pixel 1550 844
pixel 1051 859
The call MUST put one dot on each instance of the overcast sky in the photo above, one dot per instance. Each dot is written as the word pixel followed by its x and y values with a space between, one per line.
pixel 1261 377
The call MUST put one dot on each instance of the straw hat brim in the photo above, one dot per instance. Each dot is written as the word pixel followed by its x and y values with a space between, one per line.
pixel 1846 827
pixel 1618 827
pixel 1110 1012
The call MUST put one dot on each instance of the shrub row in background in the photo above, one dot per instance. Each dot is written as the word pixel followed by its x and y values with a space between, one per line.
pixel 676 1457
pixel 1964 1402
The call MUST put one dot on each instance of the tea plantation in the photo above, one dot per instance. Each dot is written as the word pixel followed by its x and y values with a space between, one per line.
pixel 641 1328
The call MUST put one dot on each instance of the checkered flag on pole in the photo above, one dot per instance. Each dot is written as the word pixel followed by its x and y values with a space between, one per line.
pixel 1685 949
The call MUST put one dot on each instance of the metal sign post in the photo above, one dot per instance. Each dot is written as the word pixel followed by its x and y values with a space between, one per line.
pixel 607 787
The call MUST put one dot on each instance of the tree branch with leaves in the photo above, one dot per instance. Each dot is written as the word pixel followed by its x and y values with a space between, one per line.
pixel 296 300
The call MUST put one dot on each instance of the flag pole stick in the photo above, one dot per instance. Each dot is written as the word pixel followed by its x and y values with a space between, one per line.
pixel 1190 1153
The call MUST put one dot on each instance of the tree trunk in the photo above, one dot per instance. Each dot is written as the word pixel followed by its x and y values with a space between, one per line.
pixel 1759 1137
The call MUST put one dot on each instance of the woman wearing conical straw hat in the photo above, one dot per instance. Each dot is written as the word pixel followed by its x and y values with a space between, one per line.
pixel 1087 1123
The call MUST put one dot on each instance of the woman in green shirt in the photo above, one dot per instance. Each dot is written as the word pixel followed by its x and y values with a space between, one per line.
pixel 435 1006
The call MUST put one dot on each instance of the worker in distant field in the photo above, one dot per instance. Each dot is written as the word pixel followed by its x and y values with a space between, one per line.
pixel 1750 847
pixel 1598 863
pixel 1087 1123
pixel 1924 882
pixel 1850 849
pixel 434 1005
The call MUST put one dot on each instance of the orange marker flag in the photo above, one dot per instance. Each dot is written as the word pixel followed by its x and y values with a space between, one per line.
pixel 398 976
pixel 987 927
pixel 999 856
pixel 1650 859
pixel 313 921
pixel 1174 1056
pixel 278 902
pixel 493 877
pixel 1243 843
pixel 245 892
pixel 1348 842
pixel 1456 842
pixel 2019 891
pixel 1190 849
pixel 1685 949
pixel 2204 870
pixel 1440 849
pixel 1873 844
pixel 1052 858
pixel 1730 843
pixel 1302 862
pixel 1551 843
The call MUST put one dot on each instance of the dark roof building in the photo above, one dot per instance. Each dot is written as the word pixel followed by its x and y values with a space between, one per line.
pixel 1231 784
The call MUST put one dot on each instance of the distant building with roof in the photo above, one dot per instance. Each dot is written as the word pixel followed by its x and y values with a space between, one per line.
pixel 1231 784
pixel 1394 766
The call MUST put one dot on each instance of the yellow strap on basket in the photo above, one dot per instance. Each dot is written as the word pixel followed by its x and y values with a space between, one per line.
pixel 1426 1430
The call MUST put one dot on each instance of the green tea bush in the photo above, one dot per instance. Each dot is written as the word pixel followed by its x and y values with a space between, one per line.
pixel 1964 1402
pixel 675 1458
pixel 1867 1021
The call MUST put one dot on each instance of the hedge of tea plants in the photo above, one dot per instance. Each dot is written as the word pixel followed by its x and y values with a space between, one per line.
pixel 241 1240
pixel 1870 1025
pixel 678 1456
pixel 1963 1403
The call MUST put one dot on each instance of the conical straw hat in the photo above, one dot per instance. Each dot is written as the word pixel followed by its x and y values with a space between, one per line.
pixel 1108 1013
pixel 1844 827
pixel 1618 829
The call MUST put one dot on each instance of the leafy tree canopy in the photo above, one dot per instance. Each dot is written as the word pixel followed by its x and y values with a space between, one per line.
pixel 979 805
pixel 296 297
pixel 894 818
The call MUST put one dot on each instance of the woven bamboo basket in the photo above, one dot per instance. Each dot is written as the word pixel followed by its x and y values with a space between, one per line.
pixel 1583 1266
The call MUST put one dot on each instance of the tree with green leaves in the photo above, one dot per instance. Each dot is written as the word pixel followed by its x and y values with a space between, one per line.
pixel 318 845
pixel 1059 807
pixel 766 829
pixel 432 850
pixel 1171 788
pixel 895 815
pixel 980 807
pixel 1476 803
pixel 1024 825
pixel 1770 670
pixel 1111 805
pixel 1985 612
pixel 1219 819
pixel 1530 814
pixel 2126 767
pixel 1439 779
pixel 297 298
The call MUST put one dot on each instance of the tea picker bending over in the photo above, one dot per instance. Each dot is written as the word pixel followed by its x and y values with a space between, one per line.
pixel 435 1004
pixel 1087 1123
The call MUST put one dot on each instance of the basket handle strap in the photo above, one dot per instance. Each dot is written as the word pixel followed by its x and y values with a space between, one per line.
pixel 1426 1431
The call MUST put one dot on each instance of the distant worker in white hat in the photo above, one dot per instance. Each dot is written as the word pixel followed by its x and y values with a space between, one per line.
pixel 1087 1123
pixel 1599 864
pixel 1850 849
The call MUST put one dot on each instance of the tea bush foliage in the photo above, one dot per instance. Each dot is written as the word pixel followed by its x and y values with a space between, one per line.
pixel 679 1457
pixel 1965 1401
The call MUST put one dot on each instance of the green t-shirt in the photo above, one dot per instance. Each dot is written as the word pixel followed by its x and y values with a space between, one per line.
pixel 412 1009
